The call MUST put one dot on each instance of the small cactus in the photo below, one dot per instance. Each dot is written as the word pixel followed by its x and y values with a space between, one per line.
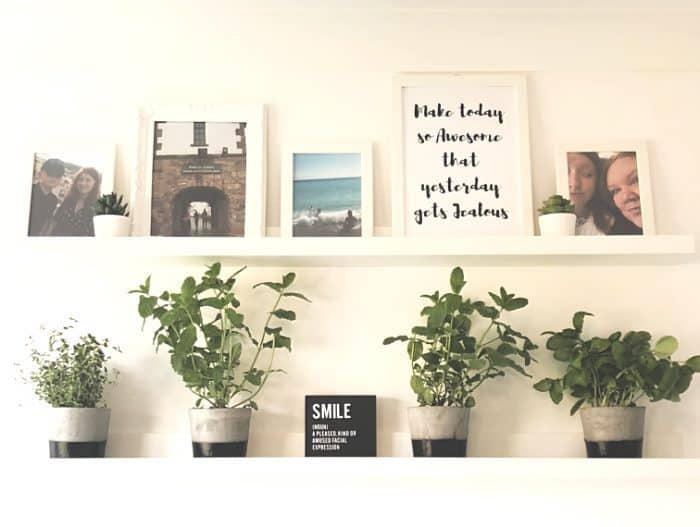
pixel 556 204
pixel 111 204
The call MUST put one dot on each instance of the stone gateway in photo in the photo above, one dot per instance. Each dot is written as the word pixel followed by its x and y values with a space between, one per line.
pixel 199 179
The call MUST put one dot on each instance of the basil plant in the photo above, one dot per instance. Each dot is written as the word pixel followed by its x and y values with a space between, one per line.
pixel 451 357
pixel 617 370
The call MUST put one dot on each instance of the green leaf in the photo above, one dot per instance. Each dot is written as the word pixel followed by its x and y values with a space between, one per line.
pixel 297 295
pixel 288 279
pixel 188 287
pixel 598 345
pixel 515 303
pixel 213 270
pixel 576 406
pixel 457 280
pixel 694 363
pixel 477 364
pixel 235 318
pixel 578 320
pixel 272 285
pixel 665 346
pixel 146 305
pixel 555 392
pixel 284 314
pixel 437 316
pixel 564 355
pixel 391 340
pixel 417 384
pixel 470 402
pixel 543 386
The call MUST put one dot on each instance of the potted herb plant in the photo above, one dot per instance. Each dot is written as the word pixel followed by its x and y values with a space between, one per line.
pixel 557 217
pixel 462 344
pixel 205 334
pixel 111 216
pixel 70 374
pixel 610 375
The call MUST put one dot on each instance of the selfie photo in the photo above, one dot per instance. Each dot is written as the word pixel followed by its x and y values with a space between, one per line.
pixel 609 190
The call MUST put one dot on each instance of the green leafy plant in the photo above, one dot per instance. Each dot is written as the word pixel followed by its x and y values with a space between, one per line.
pixel 111 204
pixel 556 204
pixel 204 331
pixel 67 371
pixel 616 370
pixel 448 362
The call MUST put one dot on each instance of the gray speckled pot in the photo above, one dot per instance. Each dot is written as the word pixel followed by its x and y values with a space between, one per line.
pixel 220 432
pixel 439 431
pixel 613 431
pixel 78 432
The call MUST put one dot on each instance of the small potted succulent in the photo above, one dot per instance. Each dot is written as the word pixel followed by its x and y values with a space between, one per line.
pixel 70 373
pixel 111 216
pixel 557 217
pixel 610 375
pixel 207 338
pixel 462 344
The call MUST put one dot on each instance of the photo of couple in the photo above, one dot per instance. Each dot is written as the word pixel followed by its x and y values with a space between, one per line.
pixel 63 197
pixel 604 189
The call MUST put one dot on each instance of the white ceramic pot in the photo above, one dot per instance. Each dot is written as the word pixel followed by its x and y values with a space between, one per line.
pixel 613 431
pixel 220 432
pixel 439 431
pixel 558 224
pixel 111 225
pixel 78 432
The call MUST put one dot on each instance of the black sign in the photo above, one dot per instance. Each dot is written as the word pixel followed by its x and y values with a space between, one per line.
pixel 341 425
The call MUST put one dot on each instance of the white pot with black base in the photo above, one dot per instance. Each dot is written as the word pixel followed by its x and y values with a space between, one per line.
pixel 439 431
pixel 111 225
pixel 220 432
pixel 78 432
pixel 558 224
pixel 613 432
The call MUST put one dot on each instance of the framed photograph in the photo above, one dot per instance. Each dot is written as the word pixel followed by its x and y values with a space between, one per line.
pixel 203 173
pixel 65 185
pixel 327 191
pixel 461 164
pixel 608 184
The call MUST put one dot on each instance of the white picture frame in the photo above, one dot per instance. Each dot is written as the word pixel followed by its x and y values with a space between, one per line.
pixel 287 209
pixel 604 150
pixel 98 155
pixel 516 147
pixel 254 117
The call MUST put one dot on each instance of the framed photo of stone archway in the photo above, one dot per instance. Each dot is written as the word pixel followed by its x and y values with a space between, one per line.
pixel 203 172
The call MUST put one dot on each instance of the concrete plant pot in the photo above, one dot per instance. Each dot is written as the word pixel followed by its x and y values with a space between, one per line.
pixel 220 432
pixel 613 432
pixel 78 432
pixel 438 431
pixel 111 225
pixel 558 224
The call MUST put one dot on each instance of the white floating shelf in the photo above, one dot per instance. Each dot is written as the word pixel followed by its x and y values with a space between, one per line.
pixel 377 251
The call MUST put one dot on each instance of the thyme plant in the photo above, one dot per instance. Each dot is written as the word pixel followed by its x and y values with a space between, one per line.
pixel 616 370
pixel 449 361
pixel 70 372
pixel 205 332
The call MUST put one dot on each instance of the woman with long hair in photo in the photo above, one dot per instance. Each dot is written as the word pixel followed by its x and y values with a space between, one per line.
pixel 622 186
pixel 74 216
pixel 594 215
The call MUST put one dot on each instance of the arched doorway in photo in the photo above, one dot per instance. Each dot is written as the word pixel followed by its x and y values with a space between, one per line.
pixel 200 211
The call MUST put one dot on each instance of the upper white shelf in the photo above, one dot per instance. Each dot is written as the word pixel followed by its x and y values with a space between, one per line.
pixel 380 251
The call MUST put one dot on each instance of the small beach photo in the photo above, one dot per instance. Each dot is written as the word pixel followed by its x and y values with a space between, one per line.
pixel 327 194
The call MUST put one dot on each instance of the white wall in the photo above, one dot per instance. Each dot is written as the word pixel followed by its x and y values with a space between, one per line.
pixel 81 70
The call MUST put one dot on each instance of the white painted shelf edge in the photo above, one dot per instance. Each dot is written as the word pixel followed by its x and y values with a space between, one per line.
pixel 377 247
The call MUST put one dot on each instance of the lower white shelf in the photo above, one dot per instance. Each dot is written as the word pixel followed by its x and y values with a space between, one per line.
pixel 378 250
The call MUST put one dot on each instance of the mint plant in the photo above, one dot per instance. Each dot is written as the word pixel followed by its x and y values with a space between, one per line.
pixel 205 332
pixel 448 360
pixel 70 372
pixel 556 204
pixel 616 370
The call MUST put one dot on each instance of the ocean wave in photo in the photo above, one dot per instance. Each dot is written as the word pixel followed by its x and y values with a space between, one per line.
pixel 327 207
